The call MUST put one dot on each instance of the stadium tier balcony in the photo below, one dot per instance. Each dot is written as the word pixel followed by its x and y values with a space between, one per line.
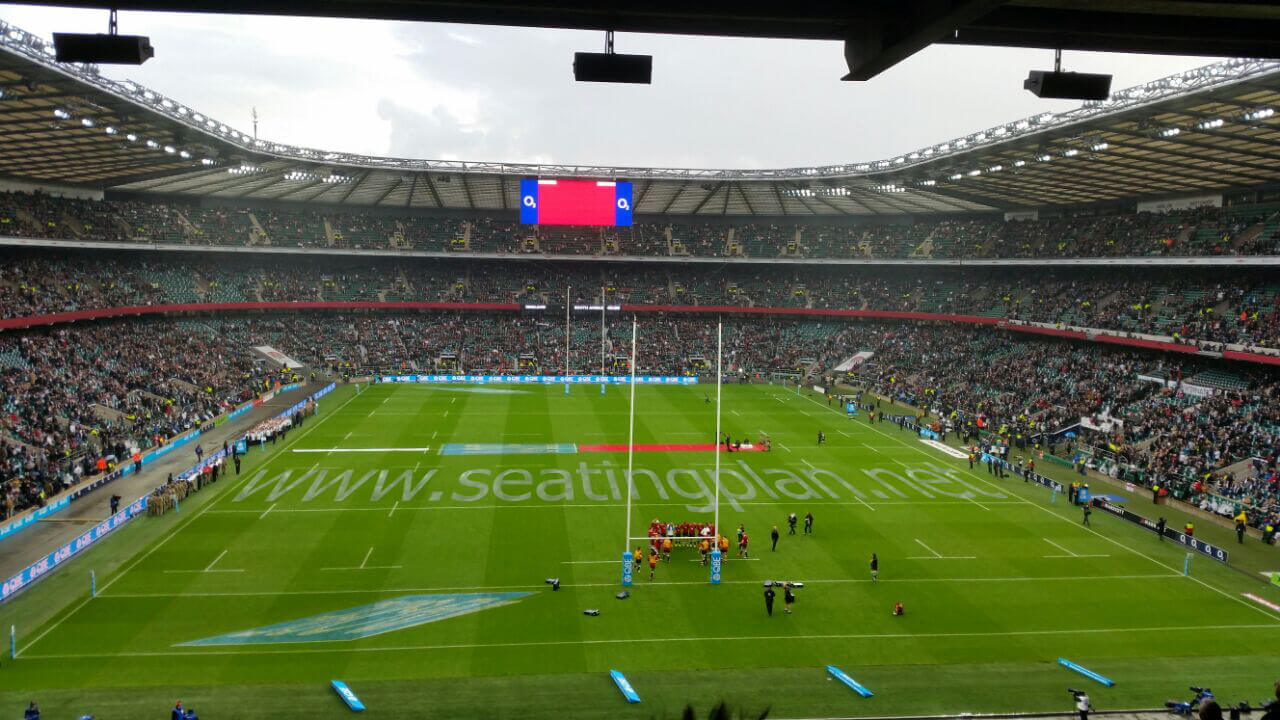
pixel 289 228
pixel 367 232
pixel 570 240
pixel 150 222
pixel 438 234
pixel 221 226
pixel 1204 231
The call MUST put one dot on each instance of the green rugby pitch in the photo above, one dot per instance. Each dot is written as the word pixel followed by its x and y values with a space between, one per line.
pixel 997 580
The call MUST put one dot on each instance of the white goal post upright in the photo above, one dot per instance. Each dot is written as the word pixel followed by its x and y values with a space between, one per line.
pixel 602 341
pixel 631 438
pixel 715 448
pixel 715 555
pixel 567 290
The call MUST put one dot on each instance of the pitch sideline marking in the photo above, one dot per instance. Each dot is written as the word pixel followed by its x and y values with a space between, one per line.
pixel 209 567
pixel 215 560
pixel 1117 543
pixel 940 556
pixel 177 529
pixel 364 564
pixel 1068 552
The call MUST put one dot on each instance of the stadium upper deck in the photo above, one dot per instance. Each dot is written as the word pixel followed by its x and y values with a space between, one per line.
pixel 1247 234
pixel 1206 131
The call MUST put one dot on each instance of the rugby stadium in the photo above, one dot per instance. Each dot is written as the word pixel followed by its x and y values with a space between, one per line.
pixel 970 430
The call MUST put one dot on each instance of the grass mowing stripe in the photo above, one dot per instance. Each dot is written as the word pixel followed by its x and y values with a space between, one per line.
pixel 176 530
pixel 514 506
pixel 625 641
pixel 498 588
pixel 1135 551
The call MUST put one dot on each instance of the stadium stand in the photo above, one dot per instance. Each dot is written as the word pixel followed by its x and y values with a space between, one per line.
pixel 1202 232
pixel 75 393
pixel 1183 305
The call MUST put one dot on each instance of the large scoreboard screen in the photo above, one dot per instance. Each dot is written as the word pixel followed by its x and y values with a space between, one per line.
pixel 575 202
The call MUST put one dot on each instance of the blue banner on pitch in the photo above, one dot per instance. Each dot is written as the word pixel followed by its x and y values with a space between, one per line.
pixel 347 696
pixel 365 621
pixel 840 675
pixel 1085 672
pixel 624 686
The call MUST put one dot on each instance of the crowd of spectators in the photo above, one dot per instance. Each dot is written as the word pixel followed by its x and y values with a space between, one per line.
pixel 1030 392
pixel 1205 305
pixel 1202 231
pixel 72 394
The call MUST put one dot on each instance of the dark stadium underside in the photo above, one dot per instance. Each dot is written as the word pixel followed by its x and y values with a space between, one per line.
pixel 878 34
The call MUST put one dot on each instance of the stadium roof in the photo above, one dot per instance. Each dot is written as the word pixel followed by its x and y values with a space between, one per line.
pixel 1206 130
pixel 877 33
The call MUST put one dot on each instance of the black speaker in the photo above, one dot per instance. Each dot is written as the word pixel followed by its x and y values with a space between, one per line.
pixel 612 68
pixel 104 49
pixel 1068 85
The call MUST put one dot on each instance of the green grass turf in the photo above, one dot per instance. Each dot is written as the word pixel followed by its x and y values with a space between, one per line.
pixel 984 622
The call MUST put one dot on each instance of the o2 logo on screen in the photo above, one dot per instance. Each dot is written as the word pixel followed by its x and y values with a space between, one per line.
pixel 575 202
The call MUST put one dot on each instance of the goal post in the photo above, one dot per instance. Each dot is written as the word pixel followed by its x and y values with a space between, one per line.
pixel 688 534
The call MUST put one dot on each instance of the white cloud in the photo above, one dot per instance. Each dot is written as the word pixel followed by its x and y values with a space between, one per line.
pixel 490 93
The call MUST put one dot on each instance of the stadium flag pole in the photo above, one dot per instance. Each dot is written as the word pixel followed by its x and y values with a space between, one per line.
pixel 13 641
pixel 631 438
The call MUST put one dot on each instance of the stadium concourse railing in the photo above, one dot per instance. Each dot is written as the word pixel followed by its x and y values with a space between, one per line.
pixel 1086 335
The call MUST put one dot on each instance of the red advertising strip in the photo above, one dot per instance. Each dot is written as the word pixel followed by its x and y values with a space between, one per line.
pixel 809 312
pixel 656 448
pixel 1251 357
pixel 1150 344
pixel 1053 332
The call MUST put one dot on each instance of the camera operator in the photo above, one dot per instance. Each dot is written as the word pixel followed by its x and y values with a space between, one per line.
pixel 1082 703
pixel 1273 708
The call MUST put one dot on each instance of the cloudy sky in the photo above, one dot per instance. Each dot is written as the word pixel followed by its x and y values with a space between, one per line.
pixel 507 94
